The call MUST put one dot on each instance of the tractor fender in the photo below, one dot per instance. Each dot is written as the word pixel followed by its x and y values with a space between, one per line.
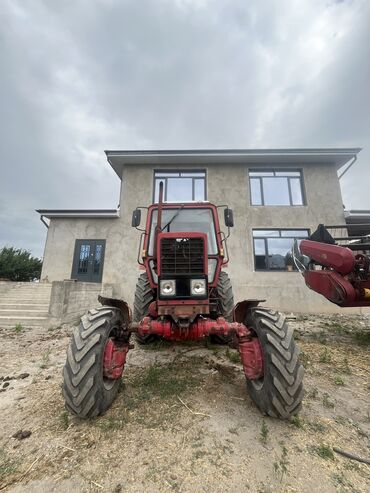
pixel 242 307
pixel 121 305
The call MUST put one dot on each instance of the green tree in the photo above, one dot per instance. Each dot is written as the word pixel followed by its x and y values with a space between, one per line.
pixel 19 265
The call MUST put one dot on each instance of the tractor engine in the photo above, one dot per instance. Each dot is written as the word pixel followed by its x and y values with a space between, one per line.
pixel 182 276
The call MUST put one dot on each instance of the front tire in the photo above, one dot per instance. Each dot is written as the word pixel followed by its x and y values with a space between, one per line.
pixel 143 297
pixel 87 393
pixel 225 296
pixel 279 392
pixel 225 301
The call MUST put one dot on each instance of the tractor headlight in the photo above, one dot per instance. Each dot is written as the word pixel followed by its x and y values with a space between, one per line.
pixel 167 287
pixel 198 287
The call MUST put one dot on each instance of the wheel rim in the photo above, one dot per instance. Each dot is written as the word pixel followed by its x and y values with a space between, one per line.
pixel 109 382
pixel 259 382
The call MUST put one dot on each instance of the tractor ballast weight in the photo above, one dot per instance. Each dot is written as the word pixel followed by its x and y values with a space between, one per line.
pixel 183 294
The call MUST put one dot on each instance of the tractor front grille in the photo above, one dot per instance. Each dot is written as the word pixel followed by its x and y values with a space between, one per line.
pixel 182 256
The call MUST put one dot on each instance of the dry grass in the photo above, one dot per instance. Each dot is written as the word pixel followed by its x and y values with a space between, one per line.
pixel 170 447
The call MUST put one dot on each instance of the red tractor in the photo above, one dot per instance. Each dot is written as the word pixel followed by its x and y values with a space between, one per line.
pixel 183 294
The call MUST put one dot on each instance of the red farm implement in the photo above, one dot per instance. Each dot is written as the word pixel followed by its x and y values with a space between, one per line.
pixel 337 267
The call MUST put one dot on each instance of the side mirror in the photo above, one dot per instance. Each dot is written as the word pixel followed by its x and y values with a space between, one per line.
pixel 136 218
pixel 229 217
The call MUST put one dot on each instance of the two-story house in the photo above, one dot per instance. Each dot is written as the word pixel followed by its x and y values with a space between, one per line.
pixel 276 195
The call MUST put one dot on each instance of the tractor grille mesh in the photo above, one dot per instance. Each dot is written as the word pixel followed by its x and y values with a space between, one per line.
pixel 182 256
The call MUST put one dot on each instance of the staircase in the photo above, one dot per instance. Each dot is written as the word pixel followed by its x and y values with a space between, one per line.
pixel 25 303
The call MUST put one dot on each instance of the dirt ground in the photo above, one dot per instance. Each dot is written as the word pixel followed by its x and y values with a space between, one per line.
pixel 184 422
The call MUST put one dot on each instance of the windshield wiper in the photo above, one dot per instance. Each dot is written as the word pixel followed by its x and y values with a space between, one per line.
pixel 173 218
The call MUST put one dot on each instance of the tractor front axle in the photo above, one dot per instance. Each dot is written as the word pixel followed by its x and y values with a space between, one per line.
pixel 200 328
pixel 249 347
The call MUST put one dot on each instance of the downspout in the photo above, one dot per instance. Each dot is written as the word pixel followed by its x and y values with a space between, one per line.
pixel 349 166
pixel 43 221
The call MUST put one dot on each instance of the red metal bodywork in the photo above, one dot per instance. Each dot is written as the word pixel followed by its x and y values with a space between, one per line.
pixel 344 278
pixel 200 328
pixel 336 257
pixel 252 358
pixel 219 257
pixel 114 359
pixel 183 308
pixel 249 347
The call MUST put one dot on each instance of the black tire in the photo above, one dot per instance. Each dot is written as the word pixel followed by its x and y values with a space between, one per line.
pixel 224 293
pixel 279 392
pixel 86 392
pixel 225 296
pixel 143 297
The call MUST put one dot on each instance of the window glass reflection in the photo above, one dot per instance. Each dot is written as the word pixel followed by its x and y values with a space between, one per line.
pixel 272 248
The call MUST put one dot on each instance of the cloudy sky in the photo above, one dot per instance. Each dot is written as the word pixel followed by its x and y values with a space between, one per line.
pixel 81 76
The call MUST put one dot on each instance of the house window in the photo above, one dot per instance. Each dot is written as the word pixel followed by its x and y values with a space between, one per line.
pixel 181 186
pixel 276 187
pixel 272 248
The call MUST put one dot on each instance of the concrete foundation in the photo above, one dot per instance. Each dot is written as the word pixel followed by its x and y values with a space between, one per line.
pixel 70 300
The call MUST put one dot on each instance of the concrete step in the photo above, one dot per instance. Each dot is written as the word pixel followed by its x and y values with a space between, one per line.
pixel 24 303
pixel 23 313
pixel 19 305
pixel 24 299
pixel 6 321
pixel 28 291
pixel 29 286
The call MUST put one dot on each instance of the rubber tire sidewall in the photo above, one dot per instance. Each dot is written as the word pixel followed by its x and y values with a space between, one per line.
pixel 101 394
pixel 263 395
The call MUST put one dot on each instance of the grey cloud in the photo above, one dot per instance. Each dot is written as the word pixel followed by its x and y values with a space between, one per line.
pixel 81 76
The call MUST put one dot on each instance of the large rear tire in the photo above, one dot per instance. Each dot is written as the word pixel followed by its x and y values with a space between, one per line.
pixel 143 297
pixel 87 393
pixel 279 392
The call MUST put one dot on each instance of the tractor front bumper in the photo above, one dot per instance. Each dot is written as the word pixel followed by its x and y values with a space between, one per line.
pixel 249 347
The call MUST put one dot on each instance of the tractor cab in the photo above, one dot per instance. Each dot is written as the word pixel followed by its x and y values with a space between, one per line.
pixel 187 241
pixel 183 250
pixel 183 241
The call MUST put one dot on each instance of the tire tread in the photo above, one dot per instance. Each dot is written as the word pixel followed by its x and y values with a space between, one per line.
pixel 282 391
pixel 143 298
pixel 83 389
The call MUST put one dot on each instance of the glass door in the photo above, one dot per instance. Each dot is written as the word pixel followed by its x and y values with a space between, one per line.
pixel 88 260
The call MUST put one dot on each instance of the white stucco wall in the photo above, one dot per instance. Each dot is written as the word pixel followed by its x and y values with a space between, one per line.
pixel 225 184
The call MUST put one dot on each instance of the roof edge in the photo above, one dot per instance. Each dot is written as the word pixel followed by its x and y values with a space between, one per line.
pixel 76 213
pixel 337 157
pixel 189 152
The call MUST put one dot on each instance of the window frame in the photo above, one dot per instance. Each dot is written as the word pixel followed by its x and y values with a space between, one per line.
pixel 179 172
pixel 265 238
pixel 277 170
pixel 90 275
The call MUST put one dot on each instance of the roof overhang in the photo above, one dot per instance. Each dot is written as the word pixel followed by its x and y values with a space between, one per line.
pixel 252 157
pixel 359 220
pixel 79 213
